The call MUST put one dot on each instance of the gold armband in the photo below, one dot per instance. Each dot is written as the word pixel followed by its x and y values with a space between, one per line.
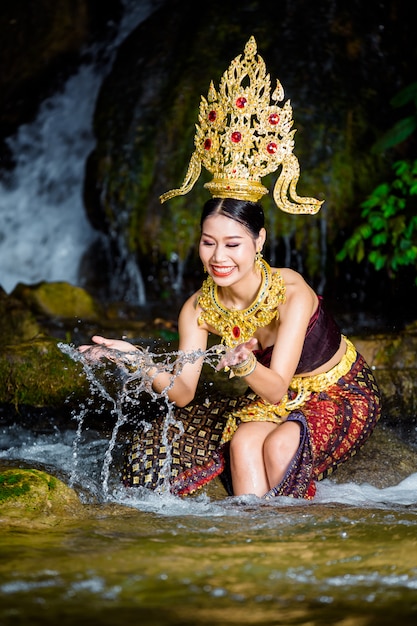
pixel 244 368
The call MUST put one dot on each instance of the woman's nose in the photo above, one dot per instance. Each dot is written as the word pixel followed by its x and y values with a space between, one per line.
pixel 218 254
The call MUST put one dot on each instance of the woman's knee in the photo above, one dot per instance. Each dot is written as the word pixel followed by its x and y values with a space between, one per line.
pixel 282 443
pixel 240 441
pixel 250 437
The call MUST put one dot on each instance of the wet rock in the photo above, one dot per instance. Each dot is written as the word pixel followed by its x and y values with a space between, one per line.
pixel 18 323
pixel 58 300
pixel 34 321
pixel 33 370
pixel 384 461
pixel 31 495
pixel 36 373
pixel 393 360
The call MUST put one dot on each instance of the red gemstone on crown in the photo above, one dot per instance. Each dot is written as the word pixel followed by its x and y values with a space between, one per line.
pixel 212 116
pixel 272 147
pixel 236 136
pixel 207 144
pixel 236 332
pixel 274 118
pixel 241 102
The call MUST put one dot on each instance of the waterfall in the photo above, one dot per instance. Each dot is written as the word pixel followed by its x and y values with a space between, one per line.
pixel 44 230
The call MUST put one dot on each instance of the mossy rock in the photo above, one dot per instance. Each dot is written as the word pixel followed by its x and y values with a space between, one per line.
pixel 31 493
pixel 390 351
pixel 16 320
pixel 393 360
pixel 59 300
pixel 38 374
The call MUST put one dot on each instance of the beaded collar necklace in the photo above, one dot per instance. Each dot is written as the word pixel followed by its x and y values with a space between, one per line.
pixel 236 326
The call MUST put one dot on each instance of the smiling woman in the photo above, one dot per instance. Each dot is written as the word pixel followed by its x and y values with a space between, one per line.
pixel 312 401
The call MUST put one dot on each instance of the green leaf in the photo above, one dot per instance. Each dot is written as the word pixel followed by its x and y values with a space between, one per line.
pixel 360 252
pixel 376 222
pixel 380 239
pixel 406 95
pixel 364 231
pixel 378 195
pixel 377 259
pixel 402 168
pixel 397 134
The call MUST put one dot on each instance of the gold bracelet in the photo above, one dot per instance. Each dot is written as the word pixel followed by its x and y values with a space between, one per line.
pixel 244 368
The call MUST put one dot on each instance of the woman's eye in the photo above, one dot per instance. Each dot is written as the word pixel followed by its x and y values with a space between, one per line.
pixel 232 245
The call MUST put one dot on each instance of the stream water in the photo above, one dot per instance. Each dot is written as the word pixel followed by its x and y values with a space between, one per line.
pixel 349 557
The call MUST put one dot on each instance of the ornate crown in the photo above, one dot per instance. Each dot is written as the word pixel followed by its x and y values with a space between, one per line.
pixel 242 137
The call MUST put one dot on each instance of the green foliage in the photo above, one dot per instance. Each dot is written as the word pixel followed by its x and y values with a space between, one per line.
pixel 406 126
pixel 388 235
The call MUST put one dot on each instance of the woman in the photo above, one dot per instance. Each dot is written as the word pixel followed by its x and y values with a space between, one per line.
pixel 313 400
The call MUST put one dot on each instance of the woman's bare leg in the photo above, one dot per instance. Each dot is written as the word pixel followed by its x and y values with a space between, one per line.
pixel 247 460
pixel 279 449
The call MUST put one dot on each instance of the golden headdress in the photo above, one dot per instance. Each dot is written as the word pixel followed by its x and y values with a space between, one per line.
pixel 241 137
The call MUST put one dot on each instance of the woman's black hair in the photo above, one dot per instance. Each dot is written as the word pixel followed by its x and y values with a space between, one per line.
pixel 249 214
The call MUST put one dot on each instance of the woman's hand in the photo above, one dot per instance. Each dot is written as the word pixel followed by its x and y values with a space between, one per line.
pixel 237 355
pixel 104 348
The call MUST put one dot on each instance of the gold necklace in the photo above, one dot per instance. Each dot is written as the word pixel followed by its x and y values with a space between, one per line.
pixel 236 326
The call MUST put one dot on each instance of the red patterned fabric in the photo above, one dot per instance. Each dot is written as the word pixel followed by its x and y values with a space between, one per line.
pixel 190 480
pixel 334 425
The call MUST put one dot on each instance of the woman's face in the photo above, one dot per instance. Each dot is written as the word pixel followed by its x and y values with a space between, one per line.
pixel 227 249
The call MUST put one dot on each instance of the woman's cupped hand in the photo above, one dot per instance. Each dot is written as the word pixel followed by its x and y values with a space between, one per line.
pixel 237 355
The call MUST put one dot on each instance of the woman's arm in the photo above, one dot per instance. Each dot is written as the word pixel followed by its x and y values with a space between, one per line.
pixel 179 385
pixel 192 339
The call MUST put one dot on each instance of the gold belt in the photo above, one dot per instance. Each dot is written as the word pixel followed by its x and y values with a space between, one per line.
pixel 261 411
pixel 305 385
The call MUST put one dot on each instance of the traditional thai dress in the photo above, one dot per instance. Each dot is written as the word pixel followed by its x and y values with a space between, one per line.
pixel 337 411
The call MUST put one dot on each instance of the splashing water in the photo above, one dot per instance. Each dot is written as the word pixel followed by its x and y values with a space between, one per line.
pixel 134 375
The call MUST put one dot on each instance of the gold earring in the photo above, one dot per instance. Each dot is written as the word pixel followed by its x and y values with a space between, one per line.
pixel 204 269
pixel 258 260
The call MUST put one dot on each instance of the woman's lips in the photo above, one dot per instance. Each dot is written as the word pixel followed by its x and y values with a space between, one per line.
pixel 222 271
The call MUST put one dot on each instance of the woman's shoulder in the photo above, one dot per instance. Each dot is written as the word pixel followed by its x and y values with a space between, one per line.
pixel 191 303
pixel 297 289
pixel 289 276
